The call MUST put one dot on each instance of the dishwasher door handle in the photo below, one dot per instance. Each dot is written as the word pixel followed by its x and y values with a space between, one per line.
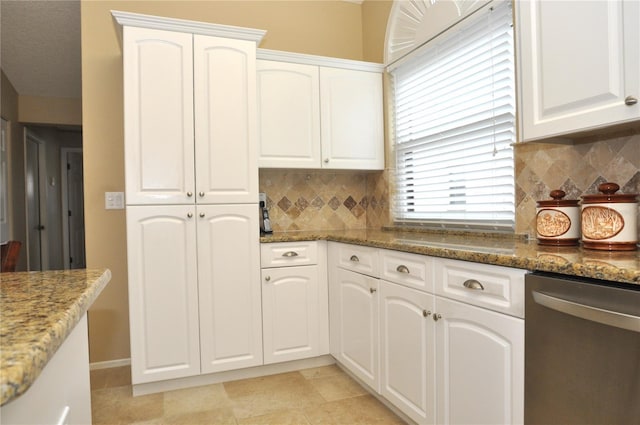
pixel 587 312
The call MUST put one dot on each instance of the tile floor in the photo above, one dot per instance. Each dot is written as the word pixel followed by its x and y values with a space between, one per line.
pixel 323 395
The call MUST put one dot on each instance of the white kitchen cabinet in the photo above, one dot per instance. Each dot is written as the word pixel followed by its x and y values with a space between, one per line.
pixel 319 113
pixel 191 194
pixel 190 116
pixel 479 365
pixel 351 119
pixel 294 301
pixel 355 323
pixel 288 115
pixel 579 65
pixel 407 351
pixel 61 394
pixel 229 291
pixel 163 292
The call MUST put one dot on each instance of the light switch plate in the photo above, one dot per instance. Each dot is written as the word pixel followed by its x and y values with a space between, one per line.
pixel 114 200
pixel 262 197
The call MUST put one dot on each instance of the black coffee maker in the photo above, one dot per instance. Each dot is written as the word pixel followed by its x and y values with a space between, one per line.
pixel 265 223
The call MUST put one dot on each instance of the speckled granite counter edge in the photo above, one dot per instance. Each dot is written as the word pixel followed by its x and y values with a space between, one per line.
pixel 596 271
pixel 18 377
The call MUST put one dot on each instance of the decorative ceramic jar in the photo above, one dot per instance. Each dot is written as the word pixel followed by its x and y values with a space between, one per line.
pixel 609 220
pixel 558 220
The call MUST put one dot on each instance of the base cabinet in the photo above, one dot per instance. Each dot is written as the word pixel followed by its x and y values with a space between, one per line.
pixel 407 351
pixel 479 365
pixel 295 310
pixel 355 324
pixel 61 394
pixel 194 303
pixel 435 359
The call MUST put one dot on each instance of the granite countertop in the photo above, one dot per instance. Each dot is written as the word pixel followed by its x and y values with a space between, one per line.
pixel 620 266
pixel 39 310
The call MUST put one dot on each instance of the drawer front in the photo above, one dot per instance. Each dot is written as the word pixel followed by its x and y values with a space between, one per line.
pixel 494 287
pixel 285 254
pixel 412 270
pixel 361 259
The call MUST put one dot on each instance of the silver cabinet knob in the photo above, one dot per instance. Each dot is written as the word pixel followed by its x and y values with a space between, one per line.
pixel 630 100
pixel 473 284
pixel 437 317
pixel 402 269
pixel 354 258
pixel 289 254
pixel 189 215
pixel 326 160
pixel 372 290
pixel 426 313
pixel 267 278
pixel 202 215
pixel 189 194
pixel 201 194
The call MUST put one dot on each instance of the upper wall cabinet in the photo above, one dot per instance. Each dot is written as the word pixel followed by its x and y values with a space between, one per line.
pixel 579 65
pixel 189 104
pixel 319 112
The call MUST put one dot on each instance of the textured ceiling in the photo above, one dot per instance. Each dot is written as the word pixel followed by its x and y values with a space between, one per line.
pixel 40 42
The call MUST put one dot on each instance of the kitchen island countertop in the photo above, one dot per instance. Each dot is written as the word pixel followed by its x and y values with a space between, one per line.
pixel 509 251
pixel 39 310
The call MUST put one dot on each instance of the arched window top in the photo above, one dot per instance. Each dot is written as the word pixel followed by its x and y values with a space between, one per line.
pixel 413 22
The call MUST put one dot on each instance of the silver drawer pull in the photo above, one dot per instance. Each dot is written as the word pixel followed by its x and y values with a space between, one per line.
pixel 402 269
pixel 290 254
pixel 630 100
pixel 473 284
pixel 354 258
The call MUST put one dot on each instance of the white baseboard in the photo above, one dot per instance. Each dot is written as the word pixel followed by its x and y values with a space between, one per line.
pixel 232 375
pixel 110 363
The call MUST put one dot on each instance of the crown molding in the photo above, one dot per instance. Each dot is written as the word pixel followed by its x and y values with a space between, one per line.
pixel 183 25
pixel 282 56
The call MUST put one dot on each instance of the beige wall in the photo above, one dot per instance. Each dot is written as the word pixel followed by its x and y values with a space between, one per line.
pixel 50 110
pixel 328 28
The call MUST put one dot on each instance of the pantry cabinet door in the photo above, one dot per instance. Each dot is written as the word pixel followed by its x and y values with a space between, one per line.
pixel 290 311
pixel 357 325
pixel 163 292
pixel 352 125
pixel 225 120
pixel 479 365
pixel 407 351
pixel 229 287
pixel 288 115
pixel 158 116
pixel 579 65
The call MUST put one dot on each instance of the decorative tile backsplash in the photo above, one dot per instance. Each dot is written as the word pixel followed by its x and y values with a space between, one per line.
pixel 330 200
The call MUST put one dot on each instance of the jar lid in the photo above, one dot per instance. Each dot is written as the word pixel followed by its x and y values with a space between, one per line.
pixel 557 200
pixel 609 195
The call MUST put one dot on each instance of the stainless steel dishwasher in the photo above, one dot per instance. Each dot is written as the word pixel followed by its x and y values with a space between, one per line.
pixel 582 351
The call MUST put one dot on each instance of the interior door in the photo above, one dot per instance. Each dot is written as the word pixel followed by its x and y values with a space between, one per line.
pixel 35 220
pixel 73 209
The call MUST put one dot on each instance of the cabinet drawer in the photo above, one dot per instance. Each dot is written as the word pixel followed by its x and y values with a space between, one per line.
pixel 284 254
pixel 361 259
pixel 412 270
pixel 494 287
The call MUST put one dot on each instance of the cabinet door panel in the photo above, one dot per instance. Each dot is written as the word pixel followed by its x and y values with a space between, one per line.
pixel 163 292
pixel 225 115
pixel 479 365
pixel 288 115
pixel 229 287
pixel 578 63
pixel 407 351
pixel 358 325
pixel 351 125
pixel 290 313
pixel 158 107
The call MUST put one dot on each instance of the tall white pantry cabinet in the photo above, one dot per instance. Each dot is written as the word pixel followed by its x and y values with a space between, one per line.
pixel 191 192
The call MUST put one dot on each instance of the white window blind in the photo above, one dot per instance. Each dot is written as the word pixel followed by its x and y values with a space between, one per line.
pixel 454 118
